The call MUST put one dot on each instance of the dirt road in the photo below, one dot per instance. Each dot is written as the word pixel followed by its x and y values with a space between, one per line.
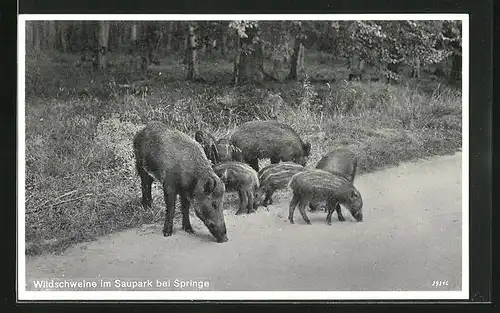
pixel 410 237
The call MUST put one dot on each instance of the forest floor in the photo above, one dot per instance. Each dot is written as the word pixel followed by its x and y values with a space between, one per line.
pixel 80 177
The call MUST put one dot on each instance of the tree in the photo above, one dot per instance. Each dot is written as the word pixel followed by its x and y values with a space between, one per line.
pixel 51 34
pixel 257 41
pixel 297 71
pixel 169 34
pixel 452 41
pixel 249 56
pixel 29 35
pixel 385 45
pixel 62 27
pixel 37 35
pixel 192 47
pixel 133 32
pixel 223 41
pixel 298 32
pixel 102 39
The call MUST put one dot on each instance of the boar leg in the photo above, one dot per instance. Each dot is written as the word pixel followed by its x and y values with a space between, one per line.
pixel 243 202
pixel 339 212
pixel 331 206
pixel 146 182
pixel 186 223
pixel 170 197
pixel 291 208
pixel 250 202
pixel 329 216
pixel 268 200
pixel 302 209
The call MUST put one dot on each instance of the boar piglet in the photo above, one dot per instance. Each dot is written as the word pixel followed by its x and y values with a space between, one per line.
pixel 318 185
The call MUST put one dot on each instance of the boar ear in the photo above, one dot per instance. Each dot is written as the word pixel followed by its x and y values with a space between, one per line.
pixel 209 185
pixel 198 136
pixel 307 148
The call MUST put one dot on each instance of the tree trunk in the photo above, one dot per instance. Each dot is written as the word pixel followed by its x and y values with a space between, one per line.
pixel 44 32
pixel 52 35
pixel 251 66
pixel 277 65
pixel 170 30
pixel 133 33
pixel 297 71
pixel 223 44
pixel 151 40
pixel 356 68
pixel 185 61
pixel 102 39
pixel 416 69
pixel 193 66
pixel 236 69
pixel 113 36
pixel 36 35
pixel 122 33
pixel 63 36
pixel 29 36
pixel 251 59
pixel 456 67
pixel 212 46
pixel 236 62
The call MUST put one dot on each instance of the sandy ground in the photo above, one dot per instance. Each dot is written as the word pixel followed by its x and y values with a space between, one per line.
pixel 410 237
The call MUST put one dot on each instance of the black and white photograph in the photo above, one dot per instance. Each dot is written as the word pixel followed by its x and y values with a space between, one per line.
pixel 243 157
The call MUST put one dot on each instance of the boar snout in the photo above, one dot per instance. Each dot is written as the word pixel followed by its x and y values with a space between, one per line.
pixel 222 239
pixel 358 217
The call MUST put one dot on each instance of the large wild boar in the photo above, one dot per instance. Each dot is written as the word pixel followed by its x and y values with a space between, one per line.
pixel 242 178
pixel 208 143
pixel 318 185
pixel 341 161
pixel 227 152
pixel 180 165
pixel 270 139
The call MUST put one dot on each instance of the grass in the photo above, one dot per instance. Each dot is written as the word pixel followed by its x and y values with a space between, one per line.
pixel 80 178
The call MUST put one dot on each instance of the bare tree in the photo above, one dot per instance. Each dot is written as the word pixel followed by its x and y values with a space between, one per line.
pixel 297 71
pixel 169 34
pixel 251 57
pixel 223 42
pixel 63 35
pixel 29 35
pixel 416 68
pixel 133 32
pixel 102 39
pixel 52 34
pixel 37 35
pixel 193 66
